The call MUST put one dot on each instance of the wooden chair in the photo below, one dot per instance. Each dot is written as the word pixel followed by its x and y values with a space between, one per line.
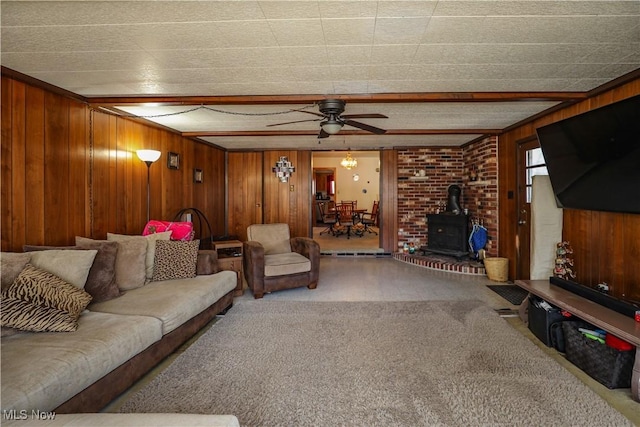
pixel 370 219
pixel 330 219
pixel 345 217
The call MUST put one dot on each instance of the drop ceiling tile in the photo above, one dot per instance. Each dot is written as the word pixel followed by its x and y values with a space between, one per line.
pixel 348 31
pixel 535 8
pixel 502 53
pixel 303 55
pixel 539 30
pixel 405 8
pixel 399 30
pixel 169 36
pixel 60 39
pixel 353 55
pixel 352 86
pixel 348 9
pixel 246 34
pixel 311 73
pixel 389 72
pixel 611 71
pixel 54 13
pixel 393 54
pixel 208 58
pixel 350 72
pixel 299 32
pixel 289 9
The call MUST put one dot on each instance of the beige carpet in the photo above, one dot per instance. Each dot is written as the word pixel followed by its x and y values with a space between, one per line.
pixel 447 363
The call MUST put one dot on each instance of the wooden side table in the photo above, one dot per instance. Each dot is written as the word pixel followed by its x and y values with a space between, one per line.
pixel 230 258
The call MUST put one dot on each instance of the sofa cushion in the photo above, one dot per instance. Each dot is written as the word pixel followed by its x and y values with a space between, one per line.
pixel 130 264
pixel 43 370
pixel 207 262
pixel 101 282
pixel 71 265
pixel 11 264
pixel 284 264
pixel 172 301
pixel 274 238
pixel 40 301
pixel 150 240
pixel 175 260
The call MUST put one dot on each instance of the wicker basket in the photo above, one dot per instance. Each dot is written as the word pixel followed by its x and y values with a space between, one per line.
pixel 497 268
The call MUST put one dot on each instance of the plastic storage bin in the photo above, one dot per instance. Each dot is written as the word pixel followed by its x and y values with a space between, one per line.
pixel 540 320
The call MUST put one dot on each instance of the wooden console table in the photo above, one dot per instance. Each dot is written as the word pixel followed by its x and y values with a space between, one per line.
pixel 622 326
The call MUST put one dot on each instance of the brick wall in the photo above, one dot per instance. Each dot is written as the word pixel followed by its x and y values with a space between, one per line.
pixel 443 166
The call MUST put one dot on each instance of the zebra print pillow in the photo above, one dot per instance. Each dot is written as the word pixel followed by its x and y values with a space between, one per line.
pixel 41 301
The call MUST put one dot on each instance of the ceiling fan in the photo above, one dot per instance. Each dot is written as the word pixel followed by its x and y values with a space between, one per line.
pixel 331 118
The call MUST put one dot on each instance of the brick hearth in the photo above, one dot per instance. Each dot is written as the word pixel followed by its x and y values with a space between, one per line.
pixel 438 262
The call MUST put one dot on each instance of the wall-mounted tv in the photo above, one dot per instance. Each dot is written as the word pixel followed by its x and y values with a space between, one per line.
pixel 593 158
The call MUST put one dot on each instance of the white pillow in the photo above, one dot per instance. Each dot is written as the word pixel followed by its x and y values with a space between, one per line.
pixel 151 246
pixel 70 265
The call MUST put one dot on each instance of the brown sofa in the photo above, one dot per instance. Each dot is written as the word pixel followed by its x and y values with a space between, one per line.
pixel 117 342
pixel 274 261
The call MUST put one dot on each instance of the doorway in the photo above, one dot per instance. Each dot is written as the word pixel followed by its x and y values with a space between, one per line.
pixel 530 162
pixel 333 183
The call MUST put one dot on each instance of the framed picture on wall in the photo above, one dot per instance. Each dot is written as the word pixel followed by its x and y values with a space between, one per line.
pixel 197 176
pixel 173 160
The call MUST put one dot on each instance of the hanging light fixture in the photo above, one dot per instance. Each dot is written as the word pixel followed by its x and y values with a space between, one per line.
pixel 349 162
pixel 283 169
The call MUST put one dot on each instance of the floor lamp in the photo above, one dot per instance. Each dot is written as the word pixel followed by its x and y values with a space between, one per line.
pixel 148 156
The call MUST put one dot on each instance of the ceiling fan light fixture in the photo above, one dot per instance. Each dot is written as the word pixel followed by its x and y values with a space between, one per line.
pixel 331 126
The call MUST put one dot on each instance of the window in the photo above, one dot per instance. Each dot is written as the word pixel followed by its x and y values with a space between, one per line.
pixel 535 165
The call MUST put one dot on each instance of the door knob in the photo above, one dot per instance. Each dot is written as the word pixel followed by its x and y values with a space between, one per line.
pixel 523 217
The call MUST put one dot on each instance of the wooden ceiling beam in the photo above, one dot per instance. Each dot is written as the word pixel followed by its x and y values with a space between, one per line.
pixel 355 98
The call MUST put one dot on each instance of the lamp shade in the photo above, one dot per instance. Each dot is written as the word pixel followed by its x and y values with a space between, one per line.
pixel 331 126
pixel 148 155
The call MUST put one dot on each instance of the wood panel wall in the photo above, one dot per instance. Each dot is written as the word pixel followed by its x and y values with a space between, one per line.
pixel 70 171
pixel 389 200
pixel 606 245
pixel 256 196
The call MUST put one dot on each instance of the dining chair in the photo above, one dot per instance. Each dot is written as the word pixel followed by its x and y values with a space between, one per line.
pixel 328 218
pixel 370 219
pixel 354 203
pixel 345 217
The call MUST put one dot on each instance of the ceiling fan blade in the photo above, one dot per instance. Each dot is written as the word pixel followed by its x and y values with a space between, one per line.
pixel 297 121
pixel 311 112
pixel 366 127
pixel 364 116
pixel 323 134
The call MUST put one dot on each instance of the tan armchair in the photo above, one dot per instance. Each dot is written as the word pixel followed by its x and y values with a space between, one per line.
pixel 273 260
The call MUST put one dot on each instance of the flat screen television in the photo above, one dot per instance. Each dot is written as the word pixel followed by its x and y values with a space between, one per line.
pixel 593 158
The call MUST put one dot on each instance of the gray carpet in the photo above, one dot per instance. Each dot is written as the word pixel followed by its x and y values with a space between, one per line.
pixel 448 363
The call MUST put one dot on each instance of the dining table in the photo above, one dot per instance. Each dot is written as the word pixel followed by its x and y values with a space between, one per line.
pixel 357 218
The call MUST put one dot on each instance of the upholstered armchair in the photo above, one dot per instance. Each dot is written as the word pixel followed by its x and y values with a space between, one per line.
pixel 273 260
